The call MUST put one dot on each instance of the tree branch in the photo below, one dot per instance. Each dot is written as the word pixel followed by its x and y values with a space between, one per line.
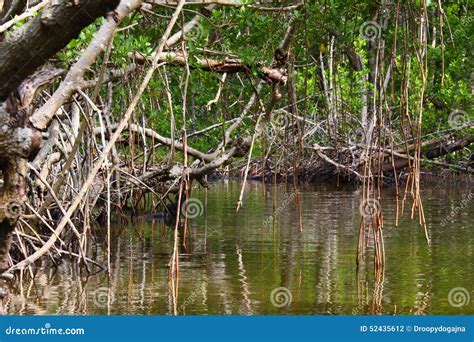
pixel 28 47
pixel 41 118
pixel 229 66
pixel 10 9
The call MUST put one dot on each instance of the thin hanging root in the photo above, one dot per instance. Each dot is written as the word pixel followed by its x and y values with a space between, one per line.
pixel 244 183
pixel 371 223
pixel 173 264
pixel 423 223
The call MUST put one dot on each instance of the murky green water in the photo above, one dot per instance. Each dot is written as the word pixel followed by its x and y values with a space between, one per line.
pixel 233 261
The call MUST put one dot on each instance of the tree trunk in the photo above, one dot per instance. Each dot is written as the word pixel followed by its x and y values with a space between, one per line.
pixel 21 53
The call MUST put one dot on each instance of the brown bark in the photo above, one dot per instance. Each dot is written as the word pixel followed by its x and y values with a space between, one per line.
pixel 28 47
pixel 10 8
pixel 21 53
pixel 229 66
pixel 11 203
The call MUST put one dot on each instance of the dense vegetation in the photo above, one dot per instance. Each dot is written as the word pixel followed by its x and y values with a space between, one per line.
pixel 331 31
pixel 145 98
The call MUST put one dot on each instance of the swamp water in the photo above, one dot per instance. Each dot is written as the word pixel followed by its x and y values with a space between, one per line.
pixel 245 263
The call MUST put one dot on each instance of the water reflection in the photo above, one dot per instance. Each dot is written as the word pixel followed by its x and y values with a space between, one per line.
pixel 234 260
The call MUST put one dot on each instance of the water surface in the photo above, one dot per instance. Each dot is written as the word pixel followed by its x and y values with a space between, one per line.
pixel 233 261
